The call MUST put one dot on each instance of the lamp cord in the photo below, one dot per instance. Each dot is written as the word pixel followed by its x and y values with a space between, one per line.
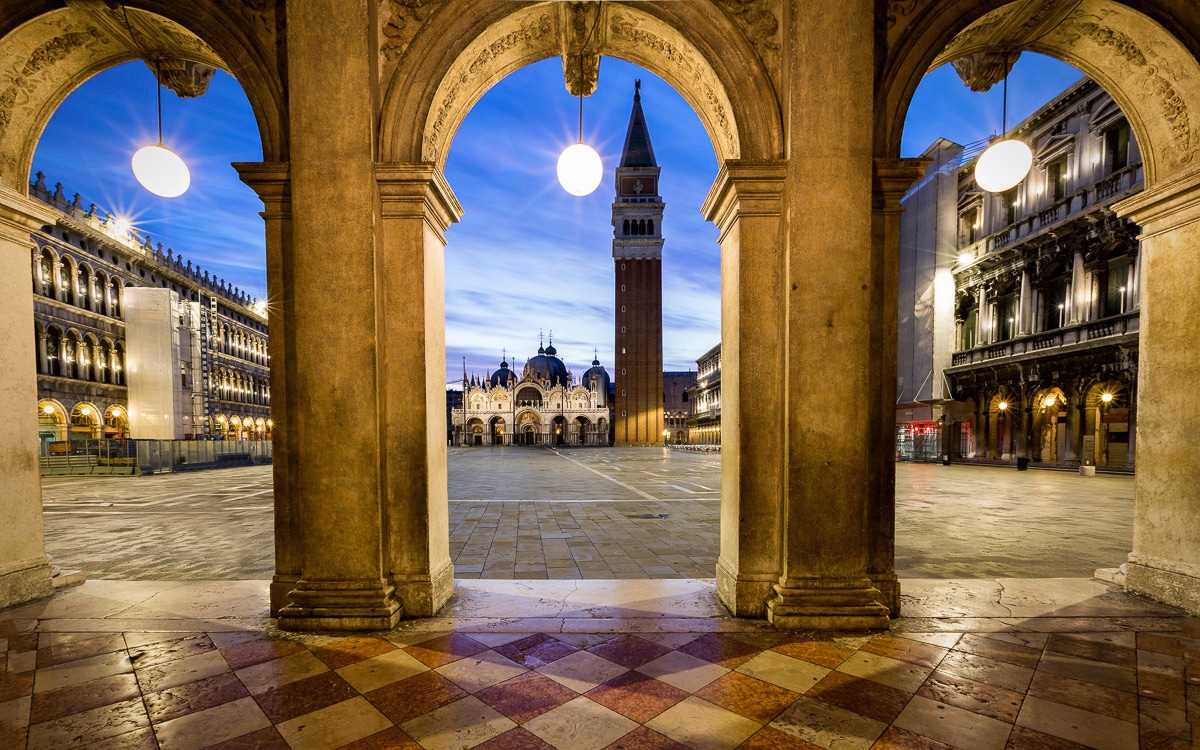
pixel 158 89
pixel 157 74
pixel 582 50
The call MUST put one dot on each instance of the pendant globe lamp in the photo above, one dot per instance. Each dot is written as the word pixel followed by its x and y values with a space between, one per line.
pixel 1006 162
pixel 579 167
pixel 159 169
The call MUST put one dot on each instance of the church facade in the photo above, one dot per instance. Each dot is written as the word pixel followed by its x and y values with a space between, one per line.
pixel 545 405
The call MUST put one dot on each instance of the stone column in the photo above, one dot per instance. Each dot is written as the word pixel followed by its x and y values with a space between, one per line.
pixel 1025 324
pixel 42 360
pixel 1133 419
pixel 24 571
pixel 893 177
pixel 270 181
pixel 981 316
pixel 1023 423
pixel 418 207
pixel 1078 291
pixel 1165 562
pixel 332 120
pixel 745 203
pixel 827 343
pixel 1074 396
pixel 1133 297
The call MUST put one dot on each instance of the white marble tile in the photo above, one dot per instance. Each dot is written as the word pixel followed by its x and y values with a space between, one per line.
pixel 334 726
pixel 582 671
pixel 794 674
pixel 260 678
pixel 15 713
pixel 462 724
pixel 474 673
pixel 21 661
pixel 885 670
pixel 828 726
pixel 703 726
pixel 952 725
pixel 94 725
pixel 580 724
pixel 368 674
pixel 181 671
pixel 684 671
pixel 1075 724
pixel 211 726
pixel 71 673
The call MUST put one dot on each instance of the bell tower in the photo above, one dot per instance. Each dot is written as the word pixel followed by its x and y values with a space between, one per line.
pixel 637 254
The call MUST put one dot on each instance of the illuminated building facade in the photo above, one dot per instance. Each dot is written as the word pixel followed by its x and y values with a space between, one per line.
pixel 1019 324
pixel 704 400
pixel 132 342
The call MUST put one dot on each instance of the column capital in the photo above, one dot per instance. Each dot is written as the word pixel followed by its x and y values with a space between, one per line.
pixel 745 188
pixel 272 182
pixel 20 215
pixel 417 189
pixel 1171 203
pixel 891 178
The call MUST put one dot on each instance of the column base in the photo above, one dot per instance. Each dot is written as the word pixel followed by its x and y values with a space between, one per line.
pixel 889 592
pixel 423 596
pixel 743 598
pixel 1173 583
pixel 25 580
pixel 845 604
pixel 281 587
pixel 341 605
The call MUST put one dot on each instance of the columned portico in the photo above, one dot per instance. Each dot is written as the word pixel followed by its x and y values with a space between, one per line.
pixel 1165 562
pixel 745 203
pixel 24 570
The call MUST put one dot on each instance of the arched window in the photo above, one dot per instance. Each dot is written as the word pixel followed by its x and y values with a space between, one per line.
pixel 99 298
pixel 118 365
pixel 642 227
pixel 54 351
pixel 67 281
pixel 83 287
pixel 626 227
pixel 87 359
pixel 103 362
pixel 70 355
pixel 114 298
pixel 650 227
pixel 45 281
pixel 37 349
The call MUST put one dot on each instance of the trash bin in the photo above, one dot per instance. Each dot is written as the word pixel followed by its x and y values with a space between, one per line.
pixel 1022 464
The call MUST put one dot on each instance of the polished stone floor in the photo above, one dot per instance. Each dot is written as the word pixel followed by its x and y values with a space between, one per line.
pixel 593 513
pixel 974 664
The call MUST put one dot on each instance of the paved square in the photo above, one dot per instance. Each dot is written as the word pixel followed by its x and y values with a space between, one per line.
pixel 592 513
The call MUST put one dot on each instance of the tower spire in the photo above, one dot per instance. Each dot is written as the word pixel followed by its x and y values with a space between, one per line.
pixel 637 151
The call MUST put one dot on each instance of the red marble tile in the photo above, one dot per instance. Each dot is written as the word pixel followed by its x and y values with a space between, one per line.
pixel 903 649
pixel 526 696
pixel 720 649
pixel 1171 690
pixel 304 696
pixel 392 738
pixel 518 738
pixel 629 651
pixel 637 696
pixel 1153 739
pixel 264 739
pixel 1160 643
pixel 15 685
pixel 645 739
pixel 824 653
pixel 194 696
pixel 536 650
pixel 445 649
pixel 1110 653
pixel 80 649
pixel 1090 697
pixel 83 696
pixel 162 652
pixel 23 642
pixel 413 696
pixel 13 737
pixel 770 738
pixel 976 697
pixel 865 697
pixel 1024 738
pixel 748 696
pixel 257 651
pixel 1012 653
pixel 138 739
pixel 895 738
pixel 352 650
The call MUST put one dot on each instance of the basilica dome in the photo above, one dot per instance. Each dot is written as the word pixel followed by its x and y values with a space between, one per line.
pixel 503 376
pixel 546 366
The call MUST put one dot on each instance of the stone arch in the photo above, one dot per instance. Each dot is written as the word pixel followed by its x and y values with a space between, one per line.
pixel 58 49
pixel 1146 68
pixel 695 47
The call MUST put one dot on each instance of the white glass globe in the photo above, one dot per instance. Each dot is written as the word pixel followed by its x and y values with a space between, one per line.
pixel 1003 165
pixel 161 171
pixel 580 169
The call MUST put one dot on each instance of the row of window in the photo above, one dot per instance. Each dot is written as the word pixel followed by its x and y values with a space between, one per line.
pixel 638 227
pixel 76 284
pixel 229 385
pixel 237 342
pixel 69 356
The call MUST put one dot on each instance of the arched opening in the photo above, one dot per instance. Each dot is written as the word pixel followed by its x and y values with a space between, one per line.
pixel 85 422
pixel 52 423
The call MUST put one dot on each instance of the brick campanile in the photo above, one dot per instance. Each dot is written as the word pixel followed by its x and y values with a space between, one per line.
pixel 637 255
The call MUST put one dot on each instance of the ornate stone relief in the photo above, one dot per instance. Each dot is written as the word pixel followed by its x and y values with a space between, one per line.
pixel 624 28
pixel 982 70
pixel 466 77
pixel 759 21
pixel 400 20
pixel 581 35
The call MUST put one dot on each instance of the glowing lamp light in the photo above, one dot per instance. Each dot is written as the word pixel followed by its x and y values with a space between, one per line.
pixel 965 258
pixel 580 169
pixel 161 171
pixel 1003 165
pixel 48 409
pixel 1002 406
pixel 1106 397
pixel 1049 401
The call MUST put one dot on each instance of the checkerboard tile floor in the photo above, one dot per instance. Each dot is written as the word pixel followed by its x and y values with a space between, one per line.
pixel 133 690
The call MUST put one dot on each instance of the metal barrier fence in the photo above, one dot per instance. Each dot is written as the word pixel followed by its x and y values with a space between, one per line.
pixel 149 456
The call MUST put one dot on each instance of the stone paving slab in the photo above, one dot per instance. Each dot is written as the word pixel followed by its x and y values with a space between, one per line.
pixel 533 513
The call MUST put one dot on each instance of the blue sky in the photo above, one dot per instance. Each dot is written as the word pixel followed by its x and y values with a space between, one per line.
pixel 527 256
